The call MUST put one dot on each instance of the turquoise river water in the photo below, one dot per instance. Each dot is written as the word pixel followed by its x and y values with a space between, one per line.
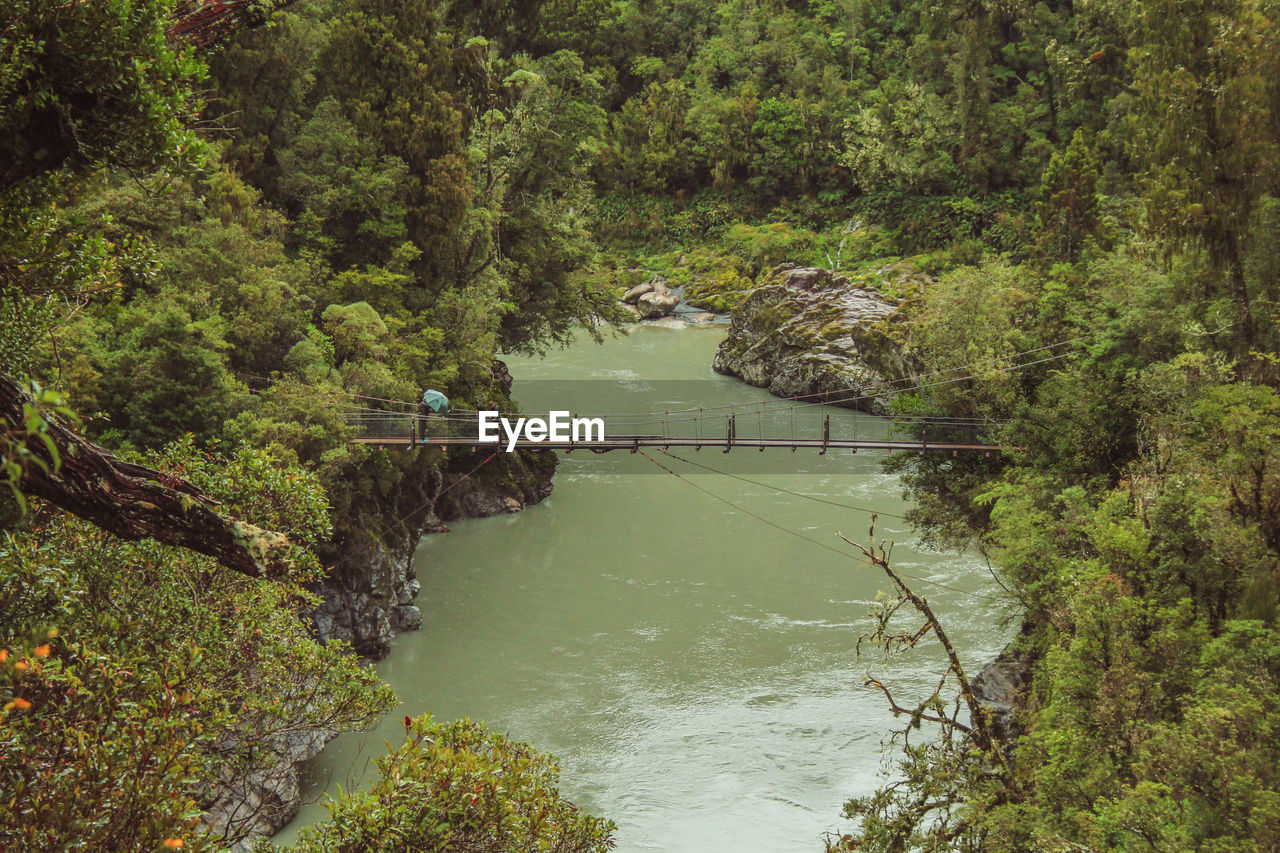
pixel 692 667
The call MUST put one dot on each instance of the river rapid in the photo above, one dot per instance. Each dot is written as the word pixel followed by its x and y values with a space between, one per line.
pixel 691 666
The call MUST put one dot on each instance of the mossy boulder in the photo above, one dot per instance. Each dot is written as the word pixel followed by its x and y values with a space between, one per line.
pixel 807 332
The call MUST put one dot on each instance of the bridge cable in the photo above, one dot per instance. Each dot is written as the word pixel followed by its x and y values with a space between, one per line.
pixel 775 401
pixel 814 498
pixel 846 554
pixel 887 388
pixel 436 496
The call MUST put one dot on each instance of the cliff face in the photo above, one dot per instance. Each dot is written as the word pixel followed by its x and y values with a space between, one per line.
pixel 257 803
pixel 806 331
pixel 368 597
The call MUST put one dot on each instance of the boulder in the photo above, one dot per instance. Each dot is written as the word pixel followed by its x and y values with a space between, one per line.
pixel 255 801
pixel 1002 688
pixel 807 332
pixel 807 279
pixel 659 302
pixel 632 296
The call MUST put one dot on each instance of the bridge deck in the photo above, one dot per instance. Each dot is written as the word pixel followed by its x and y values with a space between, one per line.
pixel 623 442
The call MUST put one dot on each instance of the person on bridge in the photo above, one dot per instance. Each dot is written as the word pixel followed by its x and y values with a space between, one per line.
pixel 432 403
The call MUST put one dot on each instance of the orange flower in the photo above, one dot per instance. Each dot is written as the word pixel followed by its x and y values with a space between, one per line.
pixel 173 843
pixel 22 666
pixel 19 703
pixel 43 651
pixel 4 655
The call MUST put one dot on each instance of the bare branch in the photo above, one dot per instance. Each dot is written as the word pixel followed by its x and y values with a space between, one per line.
pixel 981 725
pixel 914 713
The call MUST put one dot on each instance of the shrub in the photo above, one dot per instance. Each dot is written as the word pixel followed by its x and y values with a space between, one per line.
pixel 459 787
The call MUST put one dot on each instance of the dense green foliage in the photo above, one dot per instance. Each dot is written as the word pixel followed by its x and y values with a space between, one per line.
pixel 136 675
pixel 456 786
pixel 374 196
pixel 402 200
pixel 1132 360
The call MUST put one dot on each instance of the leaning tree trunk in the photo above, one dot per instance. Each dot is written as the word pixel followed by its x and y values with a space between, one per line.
pixel 131 501
pixel 204 23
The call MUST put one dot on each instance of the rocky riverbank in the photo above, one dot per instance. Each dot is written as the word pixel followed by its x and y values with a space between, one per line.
pixel 807 332
pixel 1003 687
pixel 656 301
pixel 369 597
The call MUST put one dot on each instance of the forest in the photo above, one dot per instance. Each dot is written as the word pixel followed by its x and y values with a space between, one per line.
pixel 223 223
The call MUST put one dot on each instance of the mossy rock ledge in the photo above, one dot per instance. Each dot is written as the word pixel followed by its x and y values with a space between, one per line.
pixel 807 332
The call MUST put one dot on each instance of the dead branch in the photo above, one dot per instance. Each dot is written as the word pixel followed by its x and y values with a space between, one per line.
pixel 204 23
pixel 914 713
pixel 980 729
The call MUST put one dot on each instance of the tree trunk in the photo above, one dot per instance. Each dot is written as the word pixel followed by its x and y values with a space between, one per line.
pixel 134 502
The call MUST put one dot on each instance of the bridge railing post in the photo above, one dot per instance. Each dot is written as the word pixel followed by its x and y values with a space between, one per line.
pixel 826 434
pixel 730 433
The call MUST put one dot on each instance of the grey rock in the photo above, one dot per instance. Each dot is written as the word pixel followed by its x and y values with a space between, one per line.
pixel 407 617
pixel 632 311
pixel 670 322
pixel 324 625
pixel 408 592
pixel 510 482
pixel 1002 688
pixel 633 295
pixel 806 332
pixel 657 303
pixel 254 801
pixel 374 576
pixel 367 598
pixel 806 279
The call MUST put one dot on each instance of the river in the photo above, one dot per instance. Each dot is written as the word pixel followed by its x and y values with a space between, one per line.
pixel 691 666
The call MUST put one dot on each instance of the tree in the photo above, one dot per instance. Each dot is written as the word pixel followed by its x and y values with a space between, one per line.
pixel 134 502
pixel 141 685
pixel 84 84
pixel 963 762
pixel 1206 129
pixel 1068 208
pixel 390 65
pixel 350 205
pixel 531 151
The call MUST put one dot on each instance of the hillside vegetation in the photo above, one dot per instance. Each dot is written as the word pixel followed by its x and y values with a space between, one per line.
pixel 213 239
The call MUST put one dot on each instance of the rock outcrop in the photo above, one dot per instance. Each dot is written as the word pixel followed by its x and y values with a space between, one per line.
pixel 657 303
pixel 257 803
pixel 651 300
pixel 806 332
pixel 1002 688
pixel 368 597
pixel 632 296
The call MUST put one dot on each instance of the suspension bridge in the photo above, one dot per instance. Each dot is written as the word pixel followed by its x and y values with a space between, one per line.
pixel 775 423
pixel 787 428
